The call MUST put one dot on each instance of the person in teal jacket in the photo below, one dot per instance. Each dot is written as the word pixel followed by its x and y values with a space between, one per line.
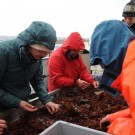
pixel 21 65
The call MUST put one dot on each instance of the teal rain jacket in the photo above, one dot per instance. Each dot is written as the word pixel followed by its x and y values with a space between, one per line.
pixel 15 79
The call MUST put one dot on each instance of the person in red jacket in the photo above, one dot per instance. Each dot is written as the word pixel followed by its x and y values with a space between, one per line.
pixel 66 67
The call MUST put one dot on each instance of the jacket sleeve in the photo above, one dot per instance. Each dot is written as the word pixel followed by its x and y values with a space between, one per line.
pixel 6 99
pixel 123 113
pixel 127 85
pixel 56 69
pixel 84 73
pixel 39 86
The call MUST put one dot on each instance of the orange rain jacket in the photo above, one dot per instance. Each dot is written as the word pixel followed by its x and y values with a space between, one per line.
pixel 123 122
pixel 62 70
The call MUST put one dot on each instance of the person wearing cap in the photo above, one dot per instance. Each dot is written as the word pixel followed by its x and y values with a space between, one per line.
pixel 3 125
pixel 129 14
pixel 66 67
pixel 21 66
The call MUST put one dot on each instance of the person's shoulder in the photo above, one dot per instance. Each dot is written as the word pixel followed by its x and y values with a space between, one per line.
pixel 7 47
pixel 3 46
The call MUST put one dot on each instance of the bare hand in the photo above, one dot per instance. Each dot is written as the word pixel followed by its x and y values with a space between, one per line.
pixel 82 84
pixel 28 107
pixel 52 107
pixel 106 119
pixel 3 125
pixel 95 84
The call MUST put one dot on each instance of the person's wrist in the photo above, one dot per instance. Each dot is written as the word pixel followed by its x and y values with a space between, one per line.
pixel 75 81
pixel 93 81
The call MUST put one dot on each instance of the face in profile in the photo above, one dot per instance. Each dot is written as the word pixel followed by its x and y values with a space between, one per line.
pixel 39 54
pixel 129 20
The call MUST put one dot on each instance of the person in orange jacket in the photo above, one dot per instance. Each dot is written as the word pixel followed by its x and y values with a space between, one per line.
pixel 123 122
pixel 3 125
pixel 66 67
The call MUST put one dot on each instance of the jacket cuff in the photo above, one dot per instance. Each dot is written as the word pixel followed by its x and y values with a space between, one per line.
pixel 47 99
pixel 75 80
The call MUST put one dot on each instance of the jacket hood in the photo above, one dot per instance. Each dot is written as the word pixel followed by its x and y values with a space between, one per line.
pixel 109 42
pixel 74 42
pixel 39 33
pixel 108 47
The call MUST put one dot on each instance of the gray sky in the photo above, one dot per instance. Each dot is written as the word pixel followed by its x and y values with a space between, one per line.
pixel 65 15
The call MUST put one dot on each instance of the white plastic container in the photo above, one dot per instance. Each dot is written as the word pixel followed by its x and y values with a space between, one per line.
pixel 66 128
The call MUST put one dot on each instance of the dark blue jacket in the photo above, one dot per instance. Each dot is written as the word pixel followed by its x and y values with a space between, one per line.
pixel 108 47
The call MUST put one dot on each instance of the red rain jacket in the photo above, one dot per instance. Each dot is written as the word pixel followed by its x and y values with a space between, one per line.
pixel 62 70
pixel 123 122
